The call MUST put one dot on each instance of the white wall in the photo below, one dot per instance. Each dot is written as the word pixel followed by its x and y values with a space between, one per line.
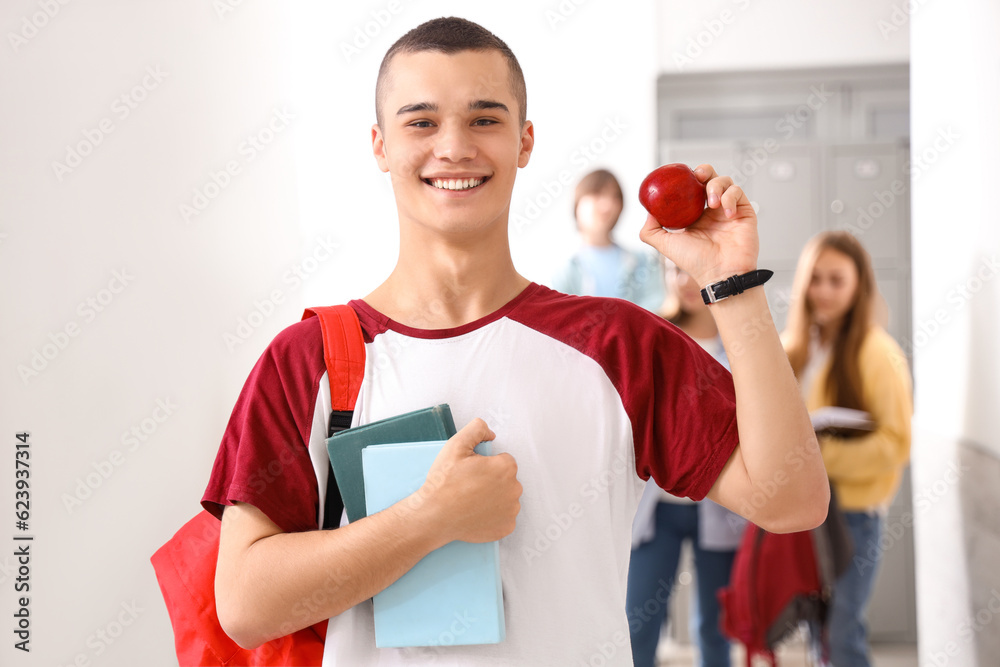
pixel 956 243
pixel 779 34
pixel 103 499
pixel 310 202
pixel 955 79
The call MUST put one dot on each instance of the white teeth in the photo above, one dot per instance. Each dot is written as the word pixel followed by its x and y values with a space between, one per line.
pixel 457 183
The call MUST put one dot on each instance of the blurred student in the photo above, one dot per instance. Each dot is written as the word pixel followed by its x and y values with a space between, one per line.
pixel 664 521
pixel 601 267
pixel 842 358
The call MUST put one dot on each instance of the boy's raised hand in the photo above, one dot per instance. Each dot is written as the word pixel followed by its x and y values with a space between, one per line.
pixel 471 497
pixel 722 243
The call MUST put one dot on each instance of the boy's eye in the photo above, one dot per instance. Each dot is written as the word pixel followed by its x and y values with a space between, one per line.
pixel 483 122
pixel 420 123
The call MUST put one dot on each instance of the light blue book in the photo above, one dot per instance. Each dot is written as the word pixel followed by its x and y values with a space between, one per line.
pixel 453 595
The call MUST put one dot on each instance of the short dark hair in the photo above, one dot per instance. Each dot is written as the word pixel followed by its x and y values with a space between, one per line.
pixel 451 35
pixel 597 182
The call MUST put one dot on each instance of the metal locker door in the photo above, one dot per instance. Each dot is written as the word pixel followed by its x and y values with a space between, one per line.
pixel 721 156
pixel 869 195
pixel 784 187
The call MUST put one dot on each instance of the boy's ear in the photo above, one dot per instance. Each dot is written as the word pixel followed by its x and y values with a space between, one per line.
pixel 527 143
pixel 378 148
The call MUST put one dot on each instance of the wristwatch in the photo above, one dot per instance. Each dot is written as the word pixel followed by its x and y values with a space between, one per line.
pixel 735 285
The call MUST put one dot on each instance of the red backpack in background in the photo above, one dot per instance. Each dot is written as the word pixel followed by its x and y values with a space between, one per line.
pixel 185 565
pixel 778 581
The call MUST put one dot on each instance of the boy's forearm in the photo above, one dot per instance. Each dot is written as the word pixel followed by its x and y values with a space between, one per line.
pixel 777 442
pixel 288 581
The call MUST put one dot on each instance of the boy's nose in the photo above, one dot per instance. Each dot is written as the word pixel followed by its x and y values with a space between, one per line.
pixel 454 144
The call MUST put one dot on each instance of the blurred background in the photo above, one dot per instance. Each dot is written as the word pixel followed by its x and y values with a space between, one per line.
pixel 179 180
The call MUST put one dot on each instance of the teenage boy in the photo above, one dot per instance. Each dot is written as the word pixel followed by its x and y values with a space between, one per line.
pixel 587 397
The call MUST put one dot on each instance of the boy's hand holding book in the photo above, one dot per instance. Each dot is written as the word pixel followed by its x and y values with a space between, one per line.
pixel 470 497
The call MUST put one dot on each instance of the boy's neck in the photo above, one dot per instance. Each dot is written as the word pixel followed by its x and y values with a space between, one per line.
pixel 441 284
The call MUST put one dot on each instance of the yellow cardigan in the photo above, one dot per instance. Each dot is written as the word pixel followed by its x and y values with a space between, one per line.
pixel 866 471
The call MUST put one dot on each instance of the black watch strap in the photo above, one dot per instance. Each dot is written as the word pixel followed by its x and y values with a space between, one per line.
pixel 735 285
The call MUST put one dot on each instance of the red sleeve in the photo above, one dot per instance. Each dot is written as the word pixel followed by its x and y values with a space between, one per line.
pixel 682 409
pixel 679 400
pixel 264 458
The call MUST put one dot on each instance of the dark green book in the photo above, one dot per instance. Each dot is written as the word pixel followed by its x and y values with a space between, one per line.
pixel 434 423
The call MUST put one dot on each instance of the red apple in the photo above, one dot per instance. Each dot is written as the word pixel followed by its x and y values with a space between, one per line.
pixel 673 195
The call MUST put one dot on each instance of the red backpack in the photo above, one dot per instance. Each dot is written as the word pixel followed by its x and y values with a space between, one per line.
pixel 777 581
pixel 185 565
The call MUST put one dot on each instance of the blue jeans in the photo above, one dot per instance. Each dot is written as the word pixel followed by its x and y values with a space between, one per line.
pixel 651 574
pixel 848 631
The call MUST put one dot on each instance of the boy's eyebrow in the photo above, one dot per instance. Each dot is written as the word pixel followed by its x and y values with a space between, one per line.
pixel 420 106
pixel 478 105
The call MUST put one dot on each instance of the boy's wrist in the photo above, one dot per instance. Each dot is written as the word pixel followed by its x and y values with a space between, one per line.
pixel 734 285
pixel 421 510
pixel 737 312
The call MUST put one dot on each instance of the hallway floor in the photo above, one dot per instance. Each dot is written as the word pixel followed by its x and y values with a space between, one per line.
pixel 792 654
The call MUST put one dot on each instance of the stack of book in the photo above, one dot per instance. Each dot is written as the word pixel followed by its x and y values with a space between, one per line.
pixel 453 595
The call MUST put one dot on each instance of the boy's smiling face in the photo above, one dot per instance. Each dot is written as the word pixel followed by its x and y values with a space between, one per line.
pixel 451 139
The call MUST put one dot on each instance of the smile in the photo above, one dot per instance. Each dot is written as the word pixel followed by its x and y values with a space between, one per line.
pixel 456 183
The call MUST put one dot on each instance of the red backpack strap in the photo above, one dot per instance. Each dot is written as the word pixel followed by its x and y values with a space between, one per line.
pixel 344 349
pixel 185 565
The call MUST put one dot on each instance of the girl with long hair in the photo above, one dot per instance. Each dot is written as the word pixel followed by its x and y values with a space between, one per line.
pixel 843 358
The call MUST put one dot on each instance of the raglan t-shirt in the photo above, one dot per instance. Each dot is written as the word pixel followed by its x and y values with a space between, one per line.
pixel 591 396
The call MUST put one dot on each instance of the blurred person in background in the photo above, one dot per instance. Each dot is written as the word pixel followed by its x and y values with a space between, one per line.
pixel 664 521
pixel 601 267
pixel 843 358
